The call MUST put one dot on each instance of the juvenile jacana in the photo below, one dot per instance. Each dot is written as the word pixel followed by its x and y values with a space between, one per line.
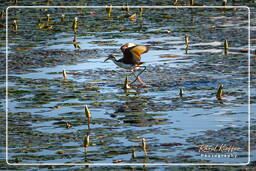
pixel 131 59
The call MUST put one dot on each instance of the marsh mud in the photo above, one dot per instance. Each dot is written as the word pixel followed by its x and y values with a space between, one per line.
pixel 46 117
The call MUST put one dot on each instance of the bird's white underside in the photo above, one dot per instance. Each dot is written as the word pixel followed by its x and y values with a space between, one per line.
pixel 126 66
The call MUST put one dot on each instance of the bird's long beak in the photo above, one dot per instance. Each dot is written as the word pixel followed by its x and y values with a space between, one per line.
pixel 106 59
pixel 110 57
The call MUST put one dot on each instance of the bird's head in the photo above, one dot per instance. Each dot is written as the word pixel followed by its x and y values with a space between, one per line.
pixel 127 45
pixel 110 57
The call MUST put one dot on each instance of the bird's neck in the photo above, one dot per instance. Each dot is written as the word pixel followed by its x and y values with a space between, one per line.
pixel 114 60
pixel 118 63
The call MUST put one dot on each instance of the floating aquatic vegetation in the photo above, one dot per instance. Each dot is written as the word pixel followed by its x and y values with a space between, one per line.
pixel 117 161
pixel 60 152
pixel 45 26
pixel 17 160
pixel 29 150
pixel 56 107
pixel 92 12
pixel 168 56
pixel 14 92
pixel 41 25
pixel 133 16
pixel 103 43
pixel 170 144
pixel 71 104
pixel 68 125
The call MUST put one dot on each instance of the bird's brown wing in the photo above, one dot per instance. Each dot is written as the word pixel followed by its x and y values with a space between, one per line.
pixel 132 54
pixel 136 51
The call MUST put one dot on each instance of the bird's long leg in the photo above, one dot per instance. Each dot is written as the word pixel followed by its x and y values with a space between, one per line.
pixel 137 77
pixel 141 81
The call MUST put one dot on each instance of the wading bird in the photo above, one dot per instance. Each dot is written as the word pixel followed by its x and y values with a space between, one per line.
pixel 131 59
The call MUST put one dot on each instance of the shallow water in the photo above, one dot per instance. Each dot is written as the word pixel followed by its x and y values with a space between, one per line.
pixel 41 103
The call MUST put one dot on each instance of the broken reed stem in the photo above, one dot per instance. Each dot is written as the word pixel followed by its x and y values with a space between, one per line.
pixel 141 11
pixel 64 74
pixel 127 8
pixel 219 93
pixel 226 46
pixel 133 153
pixel 109 10
pixel 144 147
pixel 75 42
pixel 186 41
pixel 175 2
pixel 225 2
pixel 86 142
pixel 126 83
pixel 62 17
pixel 181 92
pixel 48 17
pixel 192 2
pixel 87 113
pixel 74 26
pixel 14 25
